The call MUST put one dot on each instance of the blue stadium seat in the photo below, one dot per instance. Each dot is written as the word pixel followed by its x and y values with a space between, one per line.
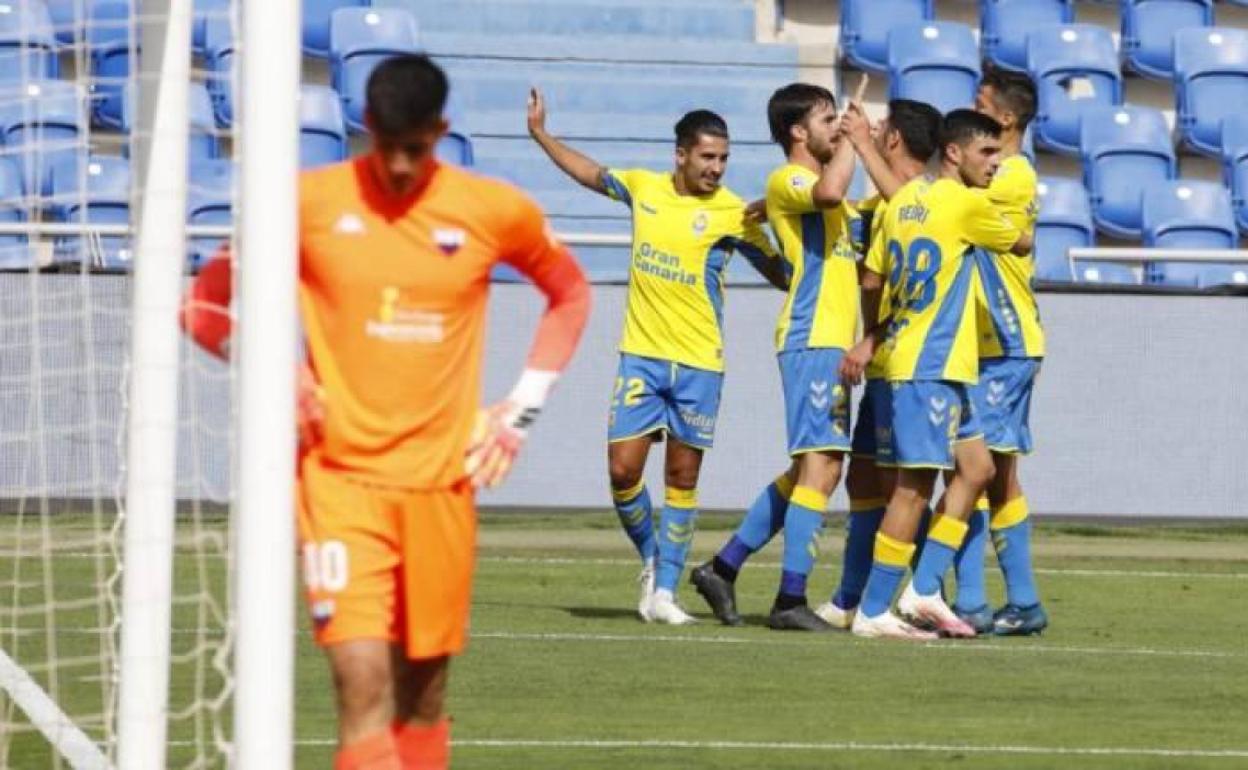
pixel 1191 215
pixel 65 20
pixel 936 62
pixel 1211 83
pixel 203 142
pixel 15 251
pixel 40 125
pixel 865 25
pixel 360 39
pixel 316 16
pixel 1064 222
pixel 105 199
pixel 205 10
pixel 1004 25
pixel 1126 150
pixel 322 130
pixel 456 146
pixel 219 61
pixel 27 43
pixel 1148 28
pixel 209 201
pixel 1235 165
pixel 109 40
pixel 1075 68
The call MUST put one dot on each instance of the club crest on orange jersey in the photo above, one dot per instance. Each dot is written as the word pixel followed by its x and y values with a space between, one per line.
pixel 449 239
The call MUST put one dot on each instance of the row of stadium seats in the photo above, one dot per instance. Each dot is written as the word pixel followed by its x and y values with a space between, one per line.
pixel 1075 68
pixel 1148 29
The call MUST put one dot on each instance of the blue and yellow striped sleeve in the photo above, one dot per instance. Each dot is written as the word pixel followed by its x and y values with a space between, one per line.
pixel 622 183
pixel 983 224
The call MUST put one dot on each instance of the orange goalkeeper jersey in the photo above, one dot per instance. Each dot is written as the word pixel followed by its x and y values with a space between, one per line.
pixel 393 297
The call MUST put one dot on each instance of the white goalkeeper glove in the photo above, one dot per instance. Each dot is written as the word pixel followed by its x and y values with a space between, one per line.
pixel 501 429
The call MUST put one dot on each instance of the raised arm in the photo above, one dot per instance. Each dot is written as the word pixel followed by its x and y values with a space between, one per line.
pixel 584 169
pixel 857 128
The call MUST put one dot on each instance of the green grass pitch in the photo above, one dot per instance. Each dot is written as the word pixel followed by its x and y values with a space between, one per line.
pixel 1145 665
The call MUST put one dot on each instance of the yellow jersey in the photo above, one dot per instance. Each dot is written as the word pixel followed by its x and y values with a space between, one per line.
pixel 876 260
pixel 929 234
pixel 821 309
pixel 1009 319
pixel 681 246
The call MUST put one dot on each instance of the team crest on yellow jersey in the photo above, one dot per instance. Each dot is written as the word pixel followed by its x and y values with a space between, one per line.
pixel 700 222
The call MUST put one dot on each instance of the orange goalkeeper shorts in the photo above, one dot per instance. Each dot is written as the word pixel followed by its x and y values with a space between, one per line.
pixel 384 562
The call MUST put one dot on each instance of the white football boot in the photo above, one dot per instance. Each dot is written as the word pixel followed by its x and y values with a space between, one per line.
pixel 835 616
pixel 662 608
pixel 886 625
pixel 931 611
pixel 645 589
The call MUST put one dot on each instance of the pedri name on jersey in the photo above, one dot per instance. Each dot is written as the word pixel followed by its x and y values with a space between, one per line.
pixel 915 212
pixel 661 264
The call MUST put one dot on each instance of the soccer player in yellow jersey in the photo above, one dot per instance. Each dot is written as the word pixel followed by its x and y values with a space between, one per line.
pixel 929 353
pixel 686 225
pixel 1011 349
pixel 808 212
pixel 893 152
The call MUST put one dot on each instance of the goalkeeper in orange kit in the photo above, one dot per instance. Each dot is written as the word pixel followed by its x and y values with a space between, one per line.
pixel 396 251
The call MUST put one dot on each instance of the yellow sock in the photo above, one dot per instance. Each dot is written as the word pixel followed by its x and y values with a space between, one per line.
pixel 627 495
pixel 681 498
pixel 811 498
pixel 948 531
pixel 892 552
pixel 784 485
pixel 1012 513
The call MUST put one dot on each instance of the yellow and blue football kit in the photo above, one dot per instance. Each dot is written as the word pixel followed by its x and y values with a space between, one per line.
pixel 930 353
pixel 1011 338
pixel 872 425
pixel 671 351
pixel 819 318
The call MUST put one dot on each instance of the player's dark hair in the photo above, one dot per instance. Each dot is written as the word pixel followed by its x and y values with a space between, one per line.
pixel 699 123
pixel 918 123
pixel 1013 91
pixel 790 105
pixel 961 127
pixel 405 93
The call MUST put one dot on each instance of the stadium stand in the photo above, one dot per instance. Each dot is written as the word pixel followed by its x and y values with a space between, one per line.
pixel 1210 82
pixel 27 43
pixel 1235 165
pixel 93 189
pixel 322 129
pixel 359 39
pixel 936 62
pixel 1005 25
pixel 1148 30
pixel 40 125
pixel 1190 215
pixel 209 202
pixel 1125 151
pixel 1075 68
pixel 865 27
pixel 203 139
pixel 617 73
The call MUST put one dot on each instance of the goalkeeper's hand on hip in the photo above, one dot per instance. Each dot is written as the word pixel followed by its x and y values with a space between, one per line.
pixel 501 429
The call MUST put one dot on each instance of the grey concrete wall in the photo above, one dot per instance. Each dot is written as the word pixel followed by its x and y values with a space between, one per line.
pixel 1138 412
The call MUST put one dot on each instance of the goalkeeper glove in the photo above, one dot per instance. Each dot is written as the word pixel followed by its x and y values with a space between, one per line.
pixel 501 429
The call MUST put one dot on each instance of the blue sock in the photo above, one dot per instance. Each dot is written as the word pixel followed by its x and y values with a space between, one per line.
pixel 968 564
pixel 761 523
pixel 802 523
pixel 862 524
pixel 888 567
pixel 676 524
pixel 1011 535
pixel 636 517
pixel 943 541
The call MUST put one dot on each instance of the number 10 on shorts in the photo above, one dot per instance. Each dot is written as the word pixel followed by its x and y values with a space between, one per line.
pixel 325 566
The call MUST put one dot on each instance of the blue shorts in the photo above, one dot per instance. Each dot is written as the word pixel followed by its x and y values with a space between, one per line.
pixel 652 394
pixel 816 404
pixel 928 418
pixel 875 403
pixel 1002 402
